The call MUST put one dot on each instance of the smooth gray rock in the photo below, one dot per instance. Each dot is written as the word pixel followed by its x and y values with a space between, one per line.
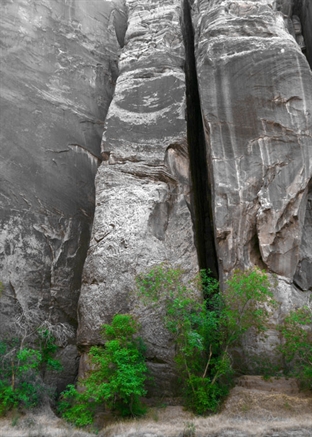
pixel 58 72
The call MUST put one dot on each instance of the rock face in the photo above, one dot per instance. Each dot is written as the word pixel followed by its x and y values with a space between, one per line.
pixel 207 143
pixel 58 71
pixel 257 110
pixel 255 91
pixel 142 187
pixel 256 97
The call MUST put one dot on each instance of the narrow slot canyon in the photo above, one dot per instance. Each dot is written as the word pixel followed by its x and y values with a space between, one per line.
pixel 201 187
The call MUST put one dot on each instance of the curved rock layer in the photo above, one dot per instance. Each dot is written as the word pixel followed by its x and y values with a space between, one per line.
pixel 255 86
pixel 142 213
pixel 58 71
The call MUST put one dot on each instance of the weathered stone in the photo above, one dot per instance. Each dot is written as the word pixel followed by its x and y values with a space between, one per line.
pixel 288 386
pixel 142 212
pixel 256 93
pixel 58 68
pixel 58 76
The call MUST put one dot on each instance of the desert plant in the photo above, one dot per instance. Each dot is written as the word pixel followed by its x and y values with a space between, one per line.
pixel 21 382
pixel 189 430
pixel 205 324
pixel 248 303
pixel 117 377
pixel 195 327
pixel 296 347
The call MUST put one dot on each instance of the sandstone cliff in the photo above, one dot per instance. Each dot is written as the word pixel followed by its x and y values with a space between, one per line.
pixel 205 160
pixel 248 110
pixel 58 72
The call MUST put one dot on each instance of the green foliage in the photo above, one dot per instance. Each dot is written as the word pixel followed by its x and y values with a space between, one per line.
pixel 76 407
pixel 248 303
pixel 21 370
pixel 48 348
pixel 297 344
pixel 117 377
pixel 201 361
pixel 204 329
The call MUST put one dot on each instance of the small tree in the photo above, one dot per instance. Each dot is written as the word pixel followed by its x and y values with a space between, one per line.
pixel 205 329
pixel 248 303
pixel 116 379
pixel 22 369
pixel 195 326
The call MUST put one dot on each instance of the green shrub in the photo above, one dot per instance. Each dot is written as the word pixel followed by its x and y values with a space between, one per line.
pixel 248 303
pixel 296 347
pixel 200 360
pixel 117 377
pixel 21 370
pixel 205 325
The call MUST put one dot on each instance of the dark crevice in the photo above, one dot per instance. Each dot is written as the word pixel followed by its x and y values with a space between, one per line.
pixel 201 190
pixel 303 10
pixel 303 275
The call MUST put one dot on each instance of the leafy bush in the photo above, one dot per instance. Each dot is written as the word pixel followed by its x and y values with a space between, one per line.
pixel 117 377
pixel 204 330
pixel 22 369
pixel 248 304
pixel 297 344
pixel 200 360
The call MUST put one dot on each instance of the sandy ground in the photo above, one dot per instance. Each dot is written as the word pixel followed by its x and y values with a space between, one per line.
pixel 254 408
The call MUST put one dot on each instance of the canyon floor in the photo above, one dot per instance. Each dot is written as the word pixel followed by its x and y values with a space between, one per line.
pixel 274 408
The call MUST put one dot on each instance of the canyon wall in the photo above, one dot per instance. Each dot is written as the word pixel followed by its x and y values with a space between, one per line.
pixel 58 72
pixel 255 86
pixel 248 110
pixel 205 160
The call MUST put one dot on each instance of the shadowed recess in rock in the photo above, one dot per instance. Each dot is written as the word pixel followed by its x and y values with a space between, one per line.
pixel 201 193
pixel 303 10
pixel 303 275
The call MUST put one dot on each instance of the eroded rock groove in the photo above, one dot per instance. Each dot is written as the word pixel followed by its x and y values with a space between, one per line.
pixel 201 192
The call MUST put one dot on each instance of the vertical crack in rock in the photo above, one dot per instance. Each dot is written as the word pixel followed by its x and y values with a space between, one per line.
pixel 201 193
pixel 302 9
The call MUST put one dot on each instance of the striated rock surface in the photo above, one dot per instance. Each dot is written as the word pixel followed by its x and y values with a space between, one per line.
pixel 58 71
pixel 256 95
pixel 251 126
pixel 142 213
pixel 255 86
pixel 218 134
